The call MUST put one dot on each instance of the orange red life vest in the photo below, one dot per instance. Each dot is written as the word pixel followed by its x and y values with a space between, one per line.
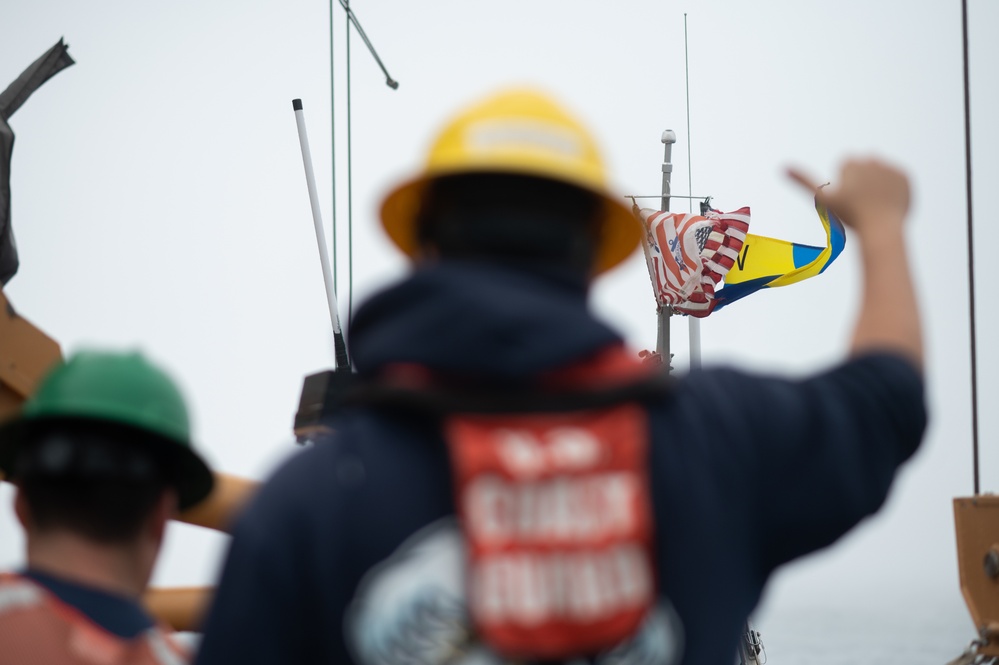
pixel 36 628
pixel 552 492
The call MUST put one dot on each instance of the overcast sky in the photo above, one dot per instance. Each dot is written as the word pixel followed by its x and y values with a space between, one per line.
pixel 159 202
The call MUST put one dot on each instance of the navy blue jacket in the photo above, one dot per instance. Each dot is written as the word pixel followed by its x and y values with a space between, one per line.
pixel 747 472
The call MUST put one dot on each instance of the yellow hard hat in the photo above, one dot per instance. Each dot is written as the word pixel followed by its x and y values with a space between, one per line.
pixel 521 132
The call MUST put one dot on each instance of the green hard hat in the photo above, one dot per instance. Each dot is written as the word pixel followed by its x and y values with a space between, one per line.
pixel 124 392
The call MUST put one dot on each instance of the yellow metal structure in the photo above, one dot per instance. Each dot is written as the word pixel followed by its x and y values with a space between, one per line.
pixel 26 354
pixel 181 608
pixel 521 132
pixel 229 495
pixel 976 520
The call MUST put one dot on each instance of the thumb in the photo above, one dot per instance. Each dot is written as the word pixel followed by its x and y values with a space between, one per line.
pixel 806 182
pixel 802 179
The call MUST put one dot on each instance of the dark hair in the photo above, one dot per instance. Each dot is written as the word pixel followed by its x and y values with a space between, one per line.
pixel 511 217
pixel 90 481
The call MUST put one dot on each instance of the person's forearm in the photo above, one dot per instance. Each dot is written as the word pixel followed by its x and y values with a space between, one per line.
pixel 889 316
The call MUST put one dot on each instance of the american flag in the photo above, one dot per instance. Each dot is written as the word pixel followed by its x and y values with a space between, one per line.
pixel 689 255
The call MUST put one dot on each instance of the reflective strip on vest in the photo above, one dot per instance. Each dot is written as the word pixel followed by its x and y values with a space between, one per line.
pixel 36 628
pixel 161 649
pixel 19 595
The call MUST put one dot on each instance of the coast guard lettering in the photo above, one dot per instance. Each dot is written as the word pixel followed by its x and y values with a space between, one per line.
pixel 556 513
pixel 552 559
pixel 412 610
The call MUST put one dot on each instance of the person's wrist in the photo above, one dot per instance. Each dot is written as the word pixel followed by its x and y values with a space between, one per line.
pixel 880 229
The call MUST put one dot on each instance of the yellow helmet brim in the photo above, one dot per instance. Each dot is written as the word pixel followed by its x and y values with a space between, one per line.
pixel 620 231
pixel 520 132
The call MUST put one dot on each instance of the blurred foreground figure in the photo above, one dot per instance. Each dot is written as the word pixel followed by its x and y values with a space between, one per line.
pixel 101 457
pixel 509 484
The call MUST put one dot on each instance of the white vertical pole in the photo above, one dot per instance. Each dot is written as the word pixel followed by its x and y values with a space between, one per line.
pixel 665 313
pixel 340 347
pixel 694 329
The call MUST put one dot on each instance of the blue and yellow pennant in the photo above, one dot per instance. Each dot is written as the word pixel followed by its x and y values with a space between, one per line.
pixel 766 263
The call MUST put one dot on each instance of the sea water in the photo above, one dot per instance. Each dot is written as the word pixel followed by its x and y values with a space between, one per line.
pixel 905 635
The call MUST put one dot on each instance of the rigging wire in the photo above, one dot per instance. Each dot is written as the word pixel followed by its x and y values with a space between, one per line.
pixel 390 82
pixel 671 196
pixel 350 190
pixel 333 148
pixel 971 245
pixel 352 18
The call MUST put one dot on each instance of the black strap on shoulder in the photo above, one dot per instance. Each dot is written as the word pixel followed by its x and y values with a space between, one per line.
pixel 442 400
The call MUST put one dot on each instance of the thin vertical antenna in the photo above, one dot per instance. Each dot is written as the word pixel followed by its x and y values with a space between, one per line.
pixel 693 323
pixel 971 245
pixel 686 81
pixel 350 193
pixel 333 148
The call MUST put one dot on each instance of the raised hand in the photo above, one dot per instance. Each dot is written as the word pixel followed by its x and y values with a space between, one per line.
pixel 869 195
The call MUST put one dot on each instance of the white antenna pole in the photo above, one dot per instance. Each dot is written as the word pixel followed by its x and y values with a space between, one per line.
pixel 340 347
pixel 694 328
pixel 693 323
pixel 665 313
